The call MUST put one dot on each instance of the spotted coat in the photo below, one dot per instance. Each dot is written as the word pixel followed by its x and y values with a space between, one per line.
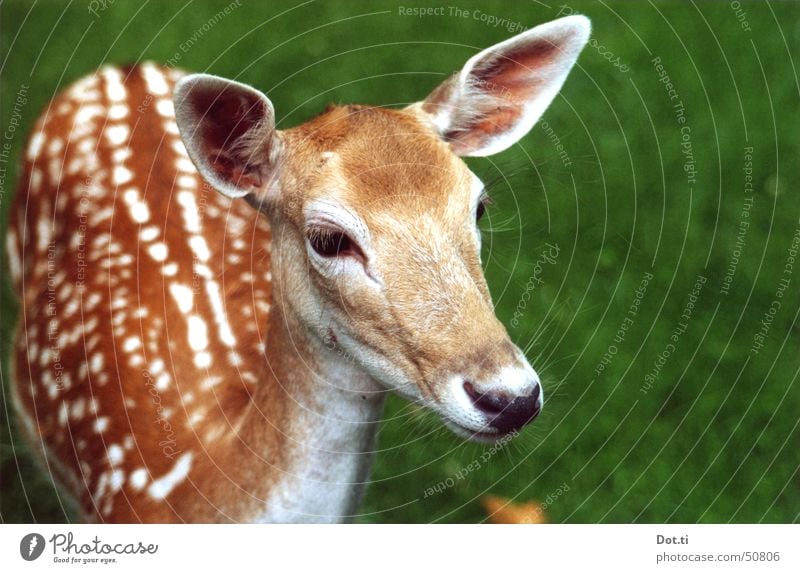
pixel 144 303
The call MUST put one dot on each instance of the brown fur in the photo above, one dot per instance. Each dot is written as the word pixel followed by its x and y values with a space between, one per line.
pixel 388 160
pixel 178 357
pixel 216 488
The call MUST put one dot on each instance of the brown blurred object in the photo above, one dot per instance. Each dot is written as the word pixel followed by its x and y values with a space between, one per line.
pixel 503 510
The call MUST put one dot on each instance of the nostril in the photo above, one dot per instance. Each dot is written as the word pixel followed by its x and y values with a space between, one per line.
pixel 489 402
pixel 520 412
pixel 506 414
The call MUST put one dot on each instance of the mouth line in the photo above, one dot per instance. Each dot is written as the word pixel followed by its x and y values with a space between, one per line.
pixel 475 435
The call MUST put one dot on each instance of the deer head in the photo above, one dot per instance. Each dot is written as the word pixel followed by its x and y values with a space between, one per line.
pixel 373 215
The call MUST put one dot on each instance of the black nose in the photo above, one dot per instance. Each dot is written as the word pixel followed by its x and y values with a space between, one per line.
pixel 506 414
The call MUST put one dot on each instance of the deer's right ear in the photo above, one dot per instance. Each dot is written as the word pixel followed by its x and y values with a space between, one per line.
pixel 229 131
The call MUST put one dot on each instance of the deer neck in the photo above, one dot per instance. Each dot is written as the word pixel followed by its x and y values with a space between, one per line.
pixel 332 409
pixel 320 376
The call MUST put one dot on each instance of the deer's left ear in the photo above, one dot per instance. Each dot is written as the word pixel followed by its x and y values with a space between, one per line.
pixel 501 92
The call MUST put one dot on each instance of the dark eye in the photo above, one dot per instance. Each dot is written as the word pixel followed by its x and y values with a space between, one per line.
pixel 480 211
pixel 330 243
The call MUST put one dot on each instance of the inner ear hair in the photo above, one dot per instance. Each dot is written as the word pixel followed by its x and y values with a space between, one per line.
pixel 242 157
pixel 229 131
pixel 502 91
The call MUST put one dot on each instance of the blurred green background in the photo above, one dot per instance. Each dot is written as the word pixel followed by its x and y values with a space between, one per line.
pixel 706 433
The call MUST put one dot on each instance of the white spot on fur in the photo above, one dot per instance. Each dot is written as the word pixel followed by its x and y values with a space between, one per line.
pixel 93 300
pixel 117 134
pixel 154 80
pixel 183 296
pixel 202 360
pixel 198 333
pixel 220 318
pixel 200 248
pixel 117 111
pixel 187 181
pixel 210 382
pixel 63 414
pixel 43 233
pixel 191 214
pixel 162 487
pixel 78 408
pixel 185 165
pixel 202 270
pixel 36 179
pixel 117 479
pixel 86 145
pixel 149 233
pixel 165 108
pixel 121 175
pixel 122 154
pixel 101 424
pixel 14 262
pixel 156 366
pixel 115 454
pixel 114 88
pixel 158 251
pixel 162 381
pixel 55 146
pixel 180 149
pixel 85 114
pixel 138 479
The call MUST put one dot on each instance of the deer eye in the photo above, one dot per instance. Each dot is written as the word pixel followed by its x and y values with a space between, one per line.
pixel 480 211
pixel 481 208
pixel 331 243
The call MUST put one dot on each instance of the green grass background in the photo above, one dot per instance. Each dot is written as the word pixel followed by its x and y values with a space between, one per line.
pixel 716 438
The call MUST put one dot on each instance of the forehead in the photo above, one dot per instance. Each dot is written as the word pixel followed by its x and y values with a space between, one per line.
pixel 386 158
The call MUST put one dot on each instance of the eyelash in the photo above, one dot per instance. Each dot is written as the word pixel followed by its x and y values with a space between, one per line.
pixel 330 243
pixel 484 202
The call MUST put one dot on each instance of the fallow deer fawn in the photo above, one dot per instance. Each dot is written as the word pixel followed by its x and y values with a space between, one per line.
pixel 186 354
